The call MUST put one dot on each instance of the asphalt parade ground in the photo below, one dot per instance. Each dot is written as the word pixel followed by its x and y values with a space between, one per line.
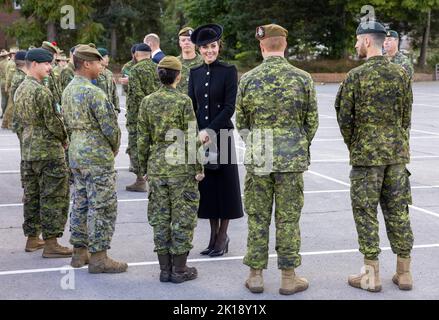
pixel 329 239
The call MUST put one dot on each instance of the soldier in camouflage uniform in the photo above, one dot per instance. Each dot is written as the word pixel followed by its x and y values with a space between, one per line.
pixel 391 50
pixel 174 197
pixel 9 74
pixel 126 69
pixel 44 177
pixel 373 108
pixel 52 82
pixel 188 58
pixel 17 79
pixel 68 72
pixel 94 142
pixel 4 58
pixel 280 100
pixel 143 81
pixel 106 82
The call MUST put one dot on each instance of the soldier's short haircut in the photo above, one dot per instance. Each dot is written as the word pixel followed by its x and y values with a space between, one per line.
pixel 274 43
pixel 167 76
pixel 378 39
pixel 20 63
pixel 77 63
pixel 152 37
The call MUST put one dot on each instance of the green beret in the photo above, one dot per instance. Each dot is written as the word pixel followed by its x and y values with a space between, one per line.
pixel 87 53
pixel 370 27
pixel 39 55
pixel 170 62
pixel 392 34
pixel 186 32
pixel 270 30
pixel 103 51
pixel 50 47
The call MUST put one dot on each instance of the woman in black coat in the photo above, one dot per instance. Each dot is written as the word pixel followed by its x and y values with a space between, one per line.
pixel 212 88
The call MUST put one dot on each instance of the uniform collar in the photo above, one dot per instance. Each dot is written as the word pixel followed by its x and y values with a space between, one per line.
pixel 213 64
pixel 274 58
pixel 377 58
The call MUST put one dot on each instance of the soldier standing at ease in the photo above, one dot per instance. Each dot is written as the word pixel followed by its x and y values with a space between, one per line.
pixel 106 81
pixel 174 195
pixel 52 81
pixel 391 50
pixel 91 122
pixel 45 175
pixel 189 57
pixel 373 106
pixel 275 99
pixel 68 72
pixel 143 81
pixel 127 68
pixel 4 58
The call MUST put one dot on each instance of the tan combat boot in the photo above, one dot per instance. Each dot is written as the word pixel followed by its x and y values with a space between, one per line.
pixel 53 250
pixel 34 243
pixel 255 281
pixel 138 186
pixel 180 271
pixel 403 278
pixel 101 263
pixel 369 278
pixel 291 283
pixel 80 257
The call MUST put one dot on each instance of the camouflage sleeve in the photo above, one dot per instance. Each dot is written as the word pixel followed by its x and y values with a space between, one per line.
pixel 105 115
pixel 311 122
pixel 52 116
pixel 407 107
pixel 16 124
pixel 66 77
pixel 143 137
pixel 189 123
pixel 230 90
pixel 408 66
pixel 242 118
pixel 114 95
pixel 132 105
pixel 344 107
pixel 54 88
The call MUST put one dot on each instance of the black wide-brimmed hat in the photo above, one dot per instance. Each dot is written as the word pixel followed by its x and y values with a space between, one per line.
pixel 207 33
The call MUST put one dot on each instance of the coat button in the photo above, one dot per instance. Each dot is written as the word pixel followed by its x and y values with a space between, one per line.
pixel 208 73
pixel 219 106
pixel 207 83
pixel 206 117
pixel 206 107
pixel 205 95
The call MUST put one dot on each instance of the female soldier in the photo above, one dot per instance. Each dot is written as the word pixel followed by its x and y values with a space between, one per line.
pixel 173 197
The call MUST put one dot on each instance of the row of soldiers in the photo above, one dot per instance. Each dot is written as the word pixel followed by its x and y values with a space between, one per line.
pixel 375 126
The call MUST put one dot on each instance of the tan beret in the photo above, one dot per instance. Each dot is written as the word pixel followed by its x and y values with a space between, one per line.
pixel 170 62
pixel 13 50
pixel 87 53
pixel 270 30
pixel 50 47
pixel 187 32
pixel 4 53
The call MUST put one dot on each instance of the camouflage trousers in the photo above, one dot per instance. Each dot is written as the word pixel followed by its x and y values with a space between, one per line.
pixel 390 187
pixel 286 191
pixel 8 114
pixel 46 197
pixel 172 212
pixel 132 151
pixel 94 210
pixel 4 96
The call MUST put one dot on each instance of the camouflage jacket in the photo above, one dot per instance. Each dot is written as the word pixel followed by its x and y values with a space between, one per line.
pixel 106 82
pixel 53 84
pixel 373 107
pixel 18 78
pixel 143 81
pixel 10 70
pixel 160 113
pixel 67 75
pixel 126 69
pixel 404 62
pixel 43 131
pixel 3 64
pixel 186 66
pixel 277 100
pixel 91 122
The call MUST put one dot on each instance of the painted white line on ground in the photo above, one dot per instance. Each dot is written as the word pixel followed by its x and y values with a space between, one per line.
pixel 149 263
pixel 341 139
pixel 427 132
pixel 425 105
pixel 326 116
pixel 434 214
pixel 8 135
pixel 347 159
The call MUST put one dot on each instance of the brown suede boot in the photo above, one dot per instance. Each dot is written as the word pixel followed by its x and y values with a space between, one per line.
pixel 101 263
pixel 138 186
pixel 403 277
pixel 165 261
pixel 180 271
pixel 255 281
pixel 80 257
pixel 291 283
pixel 34 243
pixel 53 250
pixel 369 278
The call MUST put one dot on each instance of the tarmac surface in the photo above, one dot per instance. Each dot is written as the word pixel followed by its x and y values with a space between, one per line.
pixel 329 239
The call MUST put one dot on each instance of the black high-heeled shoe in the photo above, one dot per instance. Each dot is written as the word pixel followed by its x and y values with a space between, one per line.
pixel 218 253
pixel 206 251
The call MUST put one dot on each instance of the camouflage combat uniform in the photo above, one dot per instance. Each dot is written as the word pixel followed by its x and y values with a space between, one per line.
pixel 174 196
pixel 45 175
pixel 404 62
pixel 186 66
pixel 279 98
pixel 3 62
pixel 126 69
pixel 9 74
pixel 67 75
pixel 17 79
pixel 106 82
pixel 373 108
pixel 53 84
pixel 94 139
pixel 143 81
